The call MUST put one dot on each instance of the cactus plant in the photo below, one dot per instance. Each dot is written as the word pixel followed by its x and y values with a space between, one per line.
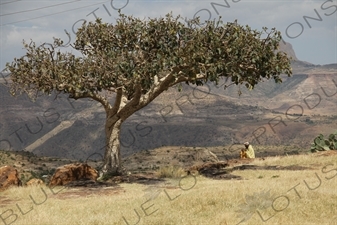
pixel 321 144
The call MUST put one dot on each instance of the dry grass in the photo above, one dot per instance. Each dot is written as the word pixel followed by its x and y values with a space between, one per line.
pixel 192 200
pixel 315 160
pixel 170 172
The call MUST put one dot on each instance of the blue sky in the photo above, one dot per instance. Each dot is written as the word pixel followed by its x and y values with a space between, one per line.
pixel 310 26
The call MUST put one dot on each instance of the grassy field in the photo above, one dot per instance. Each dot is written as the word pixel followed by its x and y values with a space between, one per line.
pixel 269 196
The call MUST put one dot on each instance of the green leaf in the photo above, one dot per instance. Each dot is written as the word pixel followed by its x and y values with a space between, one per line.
pixel 331 137
pixel 326 142
pixel 179 87
pixel 326 148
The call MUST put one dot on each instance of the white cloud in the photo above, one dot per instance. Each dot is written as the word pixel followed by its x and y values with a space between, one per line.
pixel 37 34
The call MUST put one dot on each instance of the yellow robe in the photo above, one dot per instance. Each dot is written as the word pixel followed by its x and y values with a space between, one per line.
pixel 250 152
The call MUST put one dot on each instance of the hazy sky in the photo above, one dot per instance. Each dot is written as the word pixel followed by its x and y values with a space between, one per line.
pixel 310 26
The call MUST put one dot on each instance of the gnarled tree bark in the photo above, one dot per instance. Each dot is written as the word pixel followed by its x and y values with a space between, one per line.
pixel 112 157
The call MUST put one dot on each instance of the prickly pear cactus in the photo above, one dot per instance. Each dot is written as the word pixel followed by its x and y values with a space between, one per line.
pixel 322 144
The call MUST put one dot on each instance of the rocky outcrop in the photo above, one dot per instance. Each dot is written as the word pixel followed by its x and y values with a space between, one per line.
pixel 8 177
pixel 34 182
pixel 73 172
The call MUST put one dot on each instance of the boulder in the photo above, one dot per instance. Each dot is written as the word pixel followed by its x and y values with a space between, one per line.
pixel 35 182
pixel 8 177
pixel 73 172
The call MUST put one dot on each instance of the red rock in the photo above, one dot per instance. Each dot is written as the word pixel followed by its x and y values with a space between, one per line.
pixel 73 172
pixel 8 177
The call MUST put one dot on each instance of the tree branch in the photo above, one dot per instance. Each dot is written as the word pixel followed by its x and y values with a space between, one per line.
pixel 168 81
pixel 184 78
pixel 96 97
pixel 163 84
pixel 118 100
pixel 133 104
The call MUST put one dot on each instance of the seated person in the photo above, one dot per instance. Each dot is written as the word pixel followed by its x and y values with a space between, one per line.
pixel 247 152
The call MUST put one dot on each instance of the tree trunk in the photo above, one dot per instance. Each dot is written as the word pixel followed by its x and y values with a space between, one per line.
pixel 123 109
pixel 112 157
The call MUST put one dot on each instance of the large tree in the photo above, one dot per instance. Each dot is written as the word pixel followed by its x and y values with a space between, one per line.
pixel 137 60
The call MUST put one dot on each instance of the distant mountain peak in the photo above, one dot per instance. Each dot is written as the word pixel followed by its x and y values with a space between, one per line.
pixel 288 48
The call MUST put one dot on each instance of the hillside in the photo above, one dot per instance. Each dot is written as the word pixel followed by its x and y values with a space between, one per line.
pixel 197 116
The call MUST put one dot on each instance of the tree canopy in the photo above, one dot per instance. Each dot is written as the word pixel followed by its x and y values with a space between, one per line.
pixel 133 54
